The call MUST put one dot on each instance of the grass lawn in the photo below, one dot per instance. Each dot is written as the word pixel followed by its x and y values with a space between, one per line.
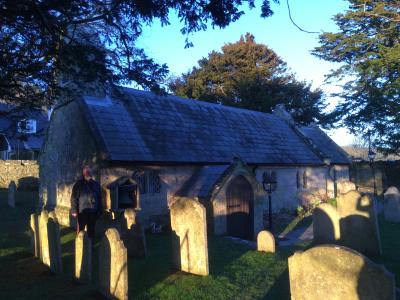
pixel 236 271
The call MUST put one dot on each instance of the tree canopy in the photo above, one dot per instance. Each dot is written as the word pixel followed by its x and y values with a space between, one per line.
pixel 44 44
pixel 250 75
pixel 367 46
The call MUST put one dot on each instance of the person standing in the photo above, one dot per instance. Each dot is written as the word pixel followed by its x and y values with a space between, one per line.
pixel 86 203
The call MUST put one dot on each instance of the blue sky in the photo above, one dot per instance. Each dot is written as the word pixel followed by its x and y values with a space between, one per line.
pixel 166 44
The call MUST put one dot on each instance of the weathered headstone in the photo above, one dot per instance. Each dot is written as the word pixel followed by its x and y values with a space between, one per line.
pixel 113 266
pixel 44 237
pixel 130 218
pixel 337 273
pixel 50 244
pixel 189 234
pixel 358 223
pixel 343 187
pixel 391 205
pixel 12 189
pixel 83 257
pixel 35 239
pixel 133 235
pixel 265 241
pixel 326 224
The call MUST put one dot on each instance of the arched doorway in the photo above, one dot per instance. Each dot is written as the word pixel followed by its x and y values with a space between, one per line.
pixel 239 202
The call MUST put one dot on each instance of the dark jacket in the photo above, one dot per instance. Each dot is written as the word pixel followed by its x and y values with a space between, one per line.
pixel 86 195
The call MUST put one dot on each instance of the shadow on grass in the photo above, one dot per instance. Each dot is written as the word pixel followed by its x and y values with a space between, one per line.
pixel 148 272
pixel 222 252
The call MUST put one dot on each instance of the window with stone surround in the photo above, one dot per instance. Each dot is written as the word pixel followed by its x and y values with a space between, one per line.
pixel 149 181
pixel 140 178
pixel 154 182
pixel 298 179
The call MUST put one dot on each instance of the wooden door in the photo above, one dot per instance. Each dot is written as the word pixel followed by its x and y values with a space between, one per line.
pixel 239 199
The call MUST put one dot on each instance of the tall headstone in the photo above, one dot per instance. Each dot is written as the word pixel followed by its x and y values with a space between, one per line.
pixel 358 223
pixel 83 257
pixel 50 243
pixel 189 234
pixel 391 205
pixel 326 224
pixel 265 241
pixel 336 273
pixel 35 239
pixel 44 237
pixel 113 266
pixel 12 190
pixel 133 235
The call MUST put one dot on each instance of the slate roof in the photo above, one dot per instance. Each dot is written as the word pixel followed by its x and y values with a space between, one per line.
pixel 144 127
pixel 201 183
pixel 325 144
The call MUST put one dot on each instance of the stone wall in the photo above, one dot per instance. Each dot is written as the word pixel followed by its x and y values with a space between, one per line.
pixel 24 173
pixel 285 197
pixel 68 146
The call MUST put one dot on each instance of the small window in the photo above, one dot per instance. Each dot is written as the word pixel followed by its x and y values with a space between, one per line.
pixel 154 182
pixel 298 183
pixel 140 178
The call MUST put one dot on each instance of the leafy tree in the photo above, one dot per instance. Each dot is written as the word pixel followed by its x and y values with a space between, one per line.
pixel 368 47
pixel 250 75
pixel 45 44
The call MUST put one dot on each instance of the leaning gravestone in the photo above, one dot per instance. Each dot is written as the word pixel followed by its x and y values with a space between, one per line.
pixel 358 223
pixel 391 208
pixel 265 241
pixel 35 239
pixel 337 273
pixel 12 189
pixel 83 257
pixel 50 244
pixel 326 224
pixel 113 266
pixel 133 235
pixel 189 230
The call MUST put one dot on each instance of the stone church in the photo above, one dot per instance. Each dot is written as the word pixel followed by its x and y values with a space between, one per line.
pixel 147 150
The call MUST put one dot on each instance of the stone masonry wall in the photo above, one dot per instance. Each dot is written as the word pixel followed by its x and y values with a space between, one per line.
pixel 25 174
pixel 69 145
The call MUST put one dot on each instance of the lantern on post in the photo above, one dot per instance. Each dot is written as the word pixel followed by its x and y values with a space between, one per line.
pixel 269 184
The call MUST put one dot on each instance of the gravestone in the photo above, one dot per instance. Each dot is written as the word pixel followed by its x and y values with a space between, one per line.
pixel 113 266
pixel 83 257
pixel 337 273
pixel 130 218
pixel 50 244
pixel 326 224
pixel 44 237
pixel 133 235
pixel 358 223
pixel 265 241
pixel 35 239
pixel 189 236
pixel 391 205
pixel 12 189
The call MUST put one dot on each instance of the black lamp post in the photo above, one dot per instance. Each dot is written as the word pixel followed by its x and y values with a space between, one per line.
pixel 371 156
pixel 269 185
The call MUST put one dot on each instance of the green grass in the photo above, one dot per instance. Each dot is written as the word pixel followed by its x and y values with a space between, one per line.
pixel 236 271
